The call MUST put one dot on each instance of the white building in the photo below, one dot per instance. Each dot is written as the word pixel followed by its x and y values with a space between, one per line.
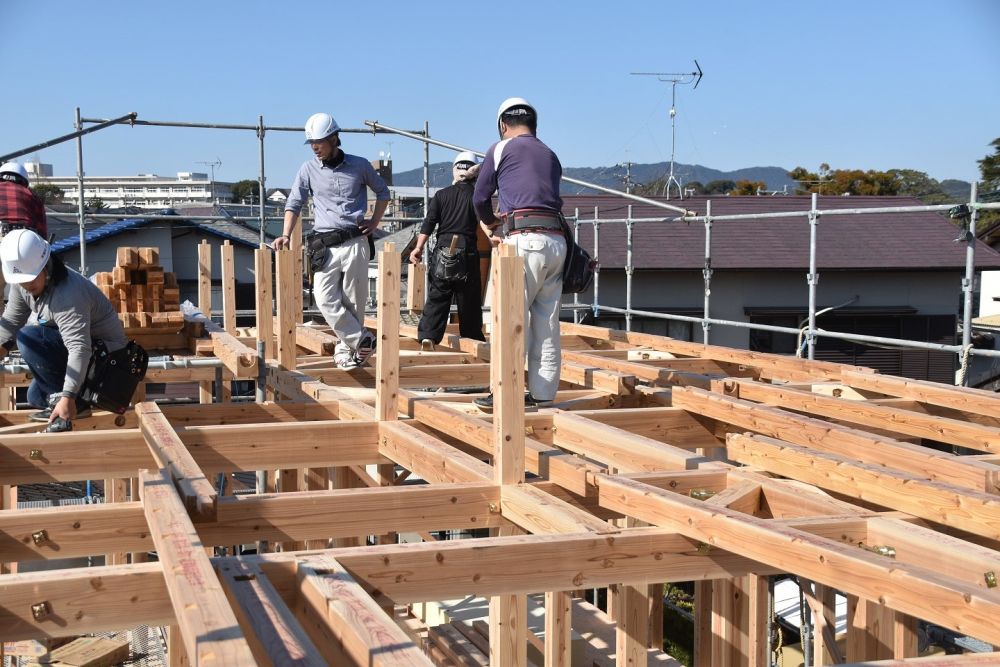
pixel 143 191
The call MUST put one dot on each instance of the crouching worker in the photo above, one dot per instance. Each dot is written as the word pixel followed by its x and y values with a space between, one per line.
pixel 56 316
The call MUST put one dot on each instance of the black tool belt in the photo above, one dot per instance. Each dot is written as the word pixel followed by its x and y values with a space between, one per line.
pixel 318 242
pixel 531 219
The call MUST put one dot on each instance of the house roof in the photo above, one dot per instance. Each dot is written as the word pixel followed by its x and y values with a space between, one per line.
pixel 222 230
pixel 883 242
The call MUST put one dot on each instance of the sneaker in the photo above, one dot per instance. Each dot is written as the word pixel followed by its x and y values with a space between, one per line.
pixel 532 402
pixel 41 415
pixel 484 403
pixel 366 346
pixel 426 345
pixel 345 360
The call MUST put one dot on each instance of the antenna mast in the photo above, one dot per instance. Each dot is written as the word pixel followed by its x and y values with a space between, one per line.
pixel 674 78
pixel 216 163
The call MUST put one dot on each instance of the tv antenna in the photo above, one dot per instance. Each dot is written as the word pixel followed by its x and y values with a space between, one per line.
pixel 216 163
pixel 674 79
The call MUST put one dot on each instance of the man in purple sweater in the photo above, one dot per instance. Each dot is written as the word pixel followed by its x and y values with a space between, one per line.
pixel 525 173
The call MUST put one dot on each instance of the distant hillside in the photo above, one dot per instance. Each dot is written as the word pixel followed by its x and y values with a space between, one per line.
pixel 957 190
pixel 613 177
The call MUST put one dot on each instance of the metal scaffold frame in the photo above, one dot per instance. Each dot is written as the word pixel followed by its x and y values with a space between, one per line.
pixel 812 216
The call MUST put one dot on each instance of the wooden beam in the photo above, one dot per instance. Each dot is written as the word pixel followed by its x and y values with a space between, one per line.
pixel 211 633
pixel 415 287
pixel 429 457
pixel 959 398
pixel 537 512
pixel 197 493
pixel 315 341
pixel 83 600
pixel 910 589
pixel 586 375
pixel 274 635
pixel 972 511
pixel 837 439
pixel 558 629
pixel 661 377
pixel 237 357
pixel 346 622
pixel 951 431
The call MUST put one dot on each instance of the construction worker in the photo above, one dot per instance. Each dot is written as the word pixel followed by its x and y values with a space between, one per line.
pixel 340 245
pixel 19 206
pixel 54 314
pixel 452 215
pixel 525 173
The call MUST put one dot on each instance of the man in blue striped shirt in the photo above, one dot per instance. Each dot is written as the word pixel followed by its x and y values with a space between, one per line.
pixel 338 184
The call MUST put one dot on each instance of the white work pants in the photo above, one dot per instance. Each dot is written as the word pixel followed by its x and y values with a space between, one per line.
pixel 341 291
pixel 543 255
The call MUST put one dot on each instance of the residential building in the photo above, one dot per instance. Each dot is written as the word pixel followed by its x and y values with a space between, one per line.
pixel 887 275
pixel 147 191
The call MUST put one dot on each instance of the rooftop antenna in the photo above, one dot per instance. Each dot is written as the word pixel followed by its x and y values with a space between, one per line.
pixel 674 78
pixel 213 164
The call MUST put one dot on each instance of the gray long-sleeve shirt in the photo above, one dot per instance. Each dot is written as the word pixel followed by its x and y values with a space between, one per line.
pixel 340 195
pixel 78 309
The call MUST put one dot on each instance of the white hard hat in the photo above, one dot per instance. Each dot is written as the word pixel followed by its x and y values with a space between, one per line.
pixel 15 168
pixel 23 254
pixel 320 126
pixel 465 156
pixel 509 104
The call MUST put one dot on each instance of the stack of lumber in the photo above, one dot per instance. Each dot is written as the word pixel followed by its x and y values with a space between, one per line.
pixel 144 295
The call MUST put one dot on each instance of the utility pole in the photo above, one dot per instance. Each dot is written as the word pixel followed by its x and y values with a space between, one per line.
pixel 674 78
pixel 628 177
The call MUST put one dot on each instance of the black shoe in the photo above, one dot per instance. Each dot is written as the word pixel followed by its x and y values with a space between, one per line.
pixel 484 403
pixel 532 402
pixel 41 415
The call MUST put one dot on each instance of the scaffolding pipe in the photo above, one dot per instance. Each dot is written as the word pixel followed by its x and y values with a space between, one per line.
pixel 216 126
pixel 427 170
pixel 597 274
pixel 260 185
pixel 375 125
pixel 576 239
pixel 79 184
pixel 72 135
pixel 968 282
pixel 895 343
pixel 812 278
pixel 706 274
pixel 629 269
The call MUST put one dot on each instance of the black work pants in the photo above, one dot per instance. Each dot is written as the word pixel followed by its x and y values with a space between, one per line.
pixel 438 304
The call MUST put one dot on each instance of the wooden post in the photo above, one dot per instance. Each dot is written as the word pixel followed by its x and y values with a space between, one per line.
pixel 265 307
pixel 758 642
pixel 558 625
pixel 285 264
pixel 703 623
pixel 387 355
pixel 655 639
pixel 114 492
pixel 631 631
pixel 228 287
pixel 295 245
pixel 825 651
pixel 415 296
pixel 205 305
pixel 508 613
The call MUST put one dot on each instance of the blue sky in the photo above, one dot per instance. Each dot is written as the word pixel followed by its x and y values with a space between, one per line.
pixel 871 85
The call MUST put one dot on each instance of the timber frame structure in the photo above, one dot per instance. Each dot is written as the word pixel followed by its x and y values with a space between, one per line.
pixel 662 461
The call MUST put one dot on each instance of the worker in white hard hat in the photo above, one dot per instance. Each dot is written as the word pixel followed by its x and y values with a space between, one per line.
pixel 525 174
pixel 453 271
pixel 54 315
pixel 19 206
pixel 339 246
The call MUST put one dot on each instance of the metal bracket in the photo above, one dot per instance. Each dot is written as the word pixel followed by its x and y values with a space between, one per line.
pixel 701 494
pixel 704 548
pixel 35 455
pixel 991 579
pixel 40 537
pixel 880 549
pixel 41 610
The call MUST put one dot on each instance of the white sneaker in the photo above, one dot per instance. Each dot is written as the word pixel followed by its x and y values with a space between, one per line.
pixel 345 360
pixel 366 346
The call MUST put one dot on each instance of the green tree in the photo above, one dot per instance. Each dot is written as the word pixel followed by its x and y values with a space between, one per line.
pixel 48 193
pixel 989 187
pixel 246 191
pixel 844 181
pixel 918 184
pixel 745 187
pixel 96 204
pixel 719 187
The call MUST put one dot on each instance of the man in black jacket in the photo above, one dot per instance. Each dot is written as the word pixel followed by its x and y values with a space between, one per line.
pixel 452 214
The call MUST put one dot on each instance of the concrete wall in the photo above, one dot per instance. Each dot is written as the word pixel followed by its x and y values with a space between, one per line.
pixel 929 292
